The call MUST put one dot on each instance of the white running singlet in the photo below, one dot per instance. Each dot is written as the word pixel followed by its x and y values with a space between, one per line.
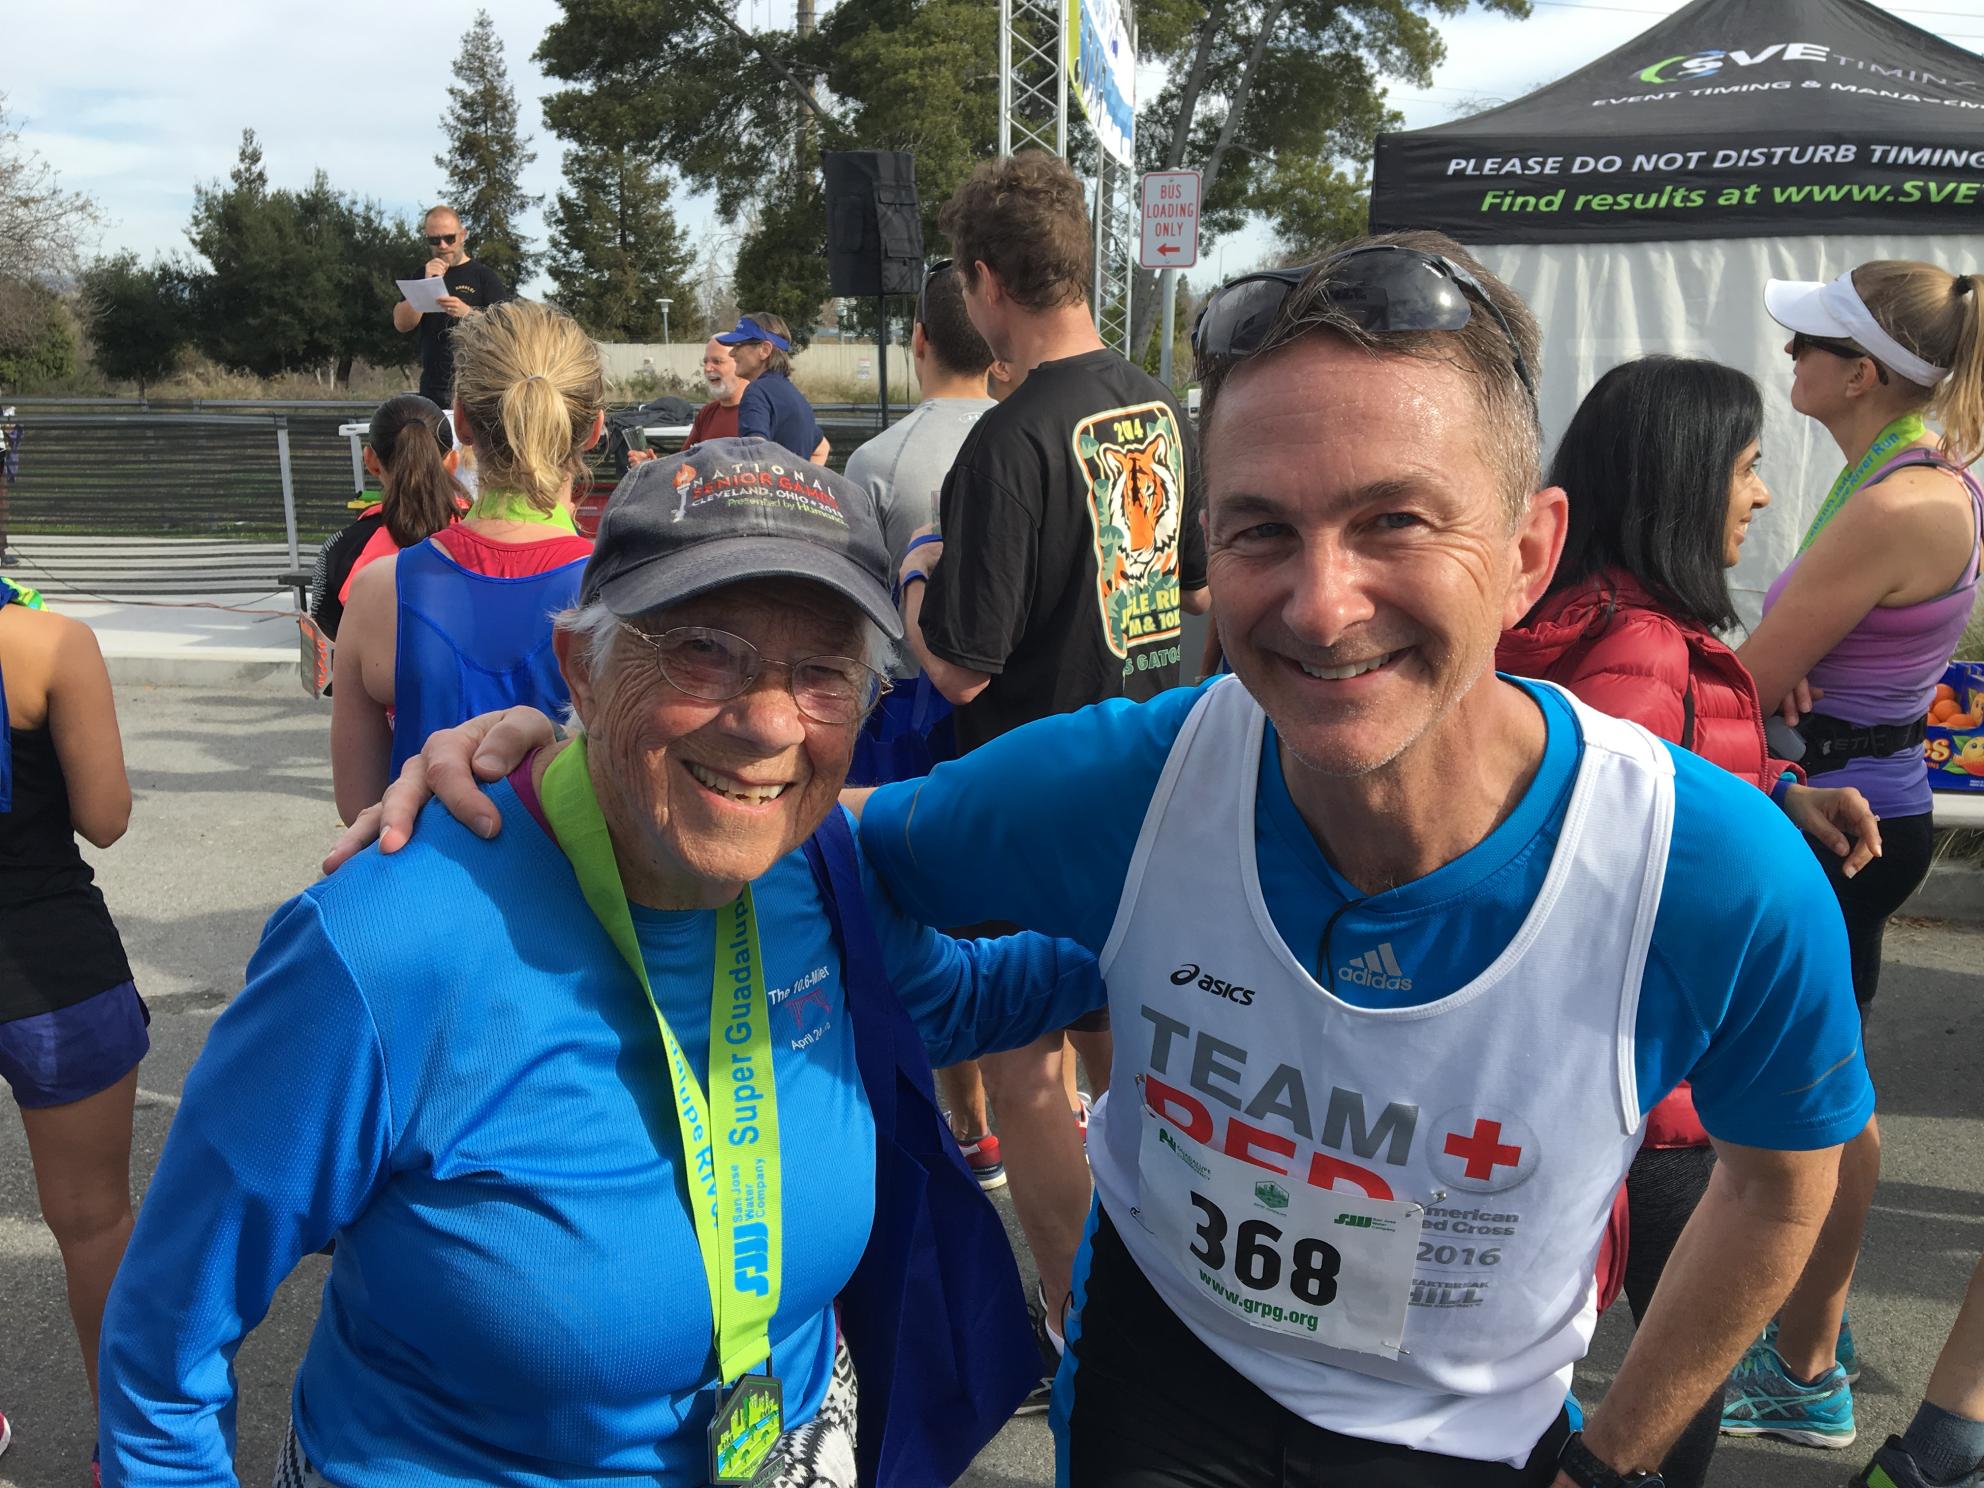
pixel 1287 1144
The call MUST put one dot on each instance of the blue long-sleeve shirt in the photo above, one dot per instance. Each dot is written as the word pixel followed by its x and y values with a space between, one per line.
pixel 440 1060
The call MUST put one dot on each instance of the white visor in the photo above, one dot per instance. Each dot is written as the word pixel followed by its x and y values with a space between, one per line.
pixel 1835 311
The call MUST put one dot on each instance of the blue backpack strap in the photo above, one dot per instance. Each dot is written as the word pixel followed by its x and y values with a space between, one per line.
pixel 934 1315
pixel 864 979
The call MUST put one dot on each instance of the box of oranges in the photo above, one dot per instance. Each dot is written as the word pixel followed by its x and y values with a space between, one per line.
pixel 1954 749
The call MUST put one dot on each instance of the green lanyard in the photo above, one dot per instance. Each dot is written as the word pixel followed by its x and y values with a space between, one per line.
pixel 1904 430
pixel 508 506
pixel 734 1180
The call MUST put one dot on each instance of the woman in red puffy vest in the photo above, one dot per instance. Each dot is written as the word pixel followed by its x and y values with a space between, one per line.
pixel 1660 464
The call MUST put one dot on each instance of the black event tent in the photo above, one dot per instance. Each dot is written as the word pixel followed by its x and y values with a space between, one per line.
pixel 1731 118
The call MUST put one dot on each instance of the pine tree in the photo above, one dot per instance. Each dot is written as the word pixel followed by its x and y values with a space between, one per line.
pixel 267 296
pixel 616 249
pixel 248 177
pixel 485 156
pixel 291 278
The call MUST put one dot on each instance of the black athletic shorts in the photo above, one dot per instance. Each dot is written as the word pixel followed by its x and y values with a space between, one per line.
pixel 1153 1407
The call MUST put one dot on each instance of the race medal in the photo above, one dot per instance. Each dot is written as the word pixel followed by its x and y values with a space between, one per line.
pixel 1311 1268
pixel 744 1430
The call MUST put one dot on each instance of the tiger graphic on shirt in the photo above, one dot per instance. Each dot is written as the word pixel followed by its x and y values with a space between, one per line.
pixel 1133 463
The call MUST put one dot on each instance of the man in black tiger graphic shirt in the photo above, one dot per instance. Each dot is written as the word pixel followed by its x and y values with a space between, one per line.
pixel 1070 520
pixel 1072 548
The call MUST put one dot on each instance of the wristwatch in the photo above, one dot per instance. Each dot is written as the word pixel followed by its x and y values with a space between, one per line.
pixel 1577 1462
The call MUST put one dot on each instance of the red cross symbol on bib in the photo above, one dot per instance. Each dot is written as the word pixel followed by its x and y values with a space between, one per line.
pixel 1483 1150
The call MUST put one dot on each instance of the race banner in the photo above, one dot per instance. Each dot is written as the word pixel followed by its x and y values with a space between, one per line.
pixel 1102 73
pixel 1735 118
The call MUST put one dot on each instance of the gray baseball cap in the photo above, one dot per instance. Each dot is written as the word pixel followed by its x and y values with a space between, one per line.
pixel 729 510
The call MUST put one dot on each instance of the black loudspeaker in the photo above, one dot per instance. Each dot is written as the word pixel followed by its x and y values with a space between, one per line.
pixel 874 227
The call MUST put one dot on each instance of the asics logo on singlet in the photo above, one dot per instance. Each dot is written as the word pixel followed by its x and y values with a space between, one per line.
pixel 1378 969
pixel 1219 987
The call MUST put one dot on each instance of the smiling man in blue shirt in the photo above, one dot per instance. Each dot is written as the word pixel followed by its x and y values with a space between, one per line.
pixel 1399 952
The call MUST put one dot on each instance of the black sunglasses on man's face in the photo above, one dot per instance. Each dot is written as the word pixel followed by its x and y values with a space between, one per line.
pixel 442 240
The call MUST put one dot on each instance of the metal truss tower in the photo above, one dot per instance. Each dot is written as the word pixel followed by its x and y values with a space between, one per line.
pixel 1117 225
pixel 1033 76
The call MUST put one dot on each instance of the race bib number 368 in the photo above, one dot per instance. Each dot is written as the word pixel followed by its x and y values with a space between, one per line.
pixel 1314 1268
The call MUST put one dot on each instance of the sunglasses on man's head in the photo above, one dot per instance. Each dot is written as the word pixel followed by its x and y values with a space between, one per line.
pixel 442 240
pixel 1846 350
pixel 1380 288
pixel 941 266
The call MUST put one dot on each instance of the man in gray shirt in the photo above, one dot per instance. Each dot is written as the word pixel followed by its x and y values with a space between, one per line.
pixel 905 465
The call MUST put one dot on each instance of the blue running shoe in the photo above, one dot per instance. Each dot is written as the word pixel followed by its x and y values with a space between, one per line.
pixel 1761 1399
pixel 1893 1467
pixel 1844 1353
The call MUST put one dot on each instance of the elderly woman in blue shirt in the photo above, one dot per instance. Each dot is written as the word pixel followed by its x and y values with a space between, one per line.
pixel 582 1104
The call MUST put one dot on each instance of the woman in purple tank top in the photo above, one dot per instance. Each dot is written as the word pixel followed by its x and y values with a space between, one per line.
pixel 1855 635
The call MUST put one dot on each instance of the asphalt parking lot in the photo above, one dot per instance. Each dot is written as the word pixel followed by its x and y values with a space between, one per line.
pixel 234 811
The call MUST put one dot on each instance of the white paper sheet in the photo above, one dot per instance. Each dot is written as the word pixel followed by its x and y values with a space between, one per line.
pixel 423 294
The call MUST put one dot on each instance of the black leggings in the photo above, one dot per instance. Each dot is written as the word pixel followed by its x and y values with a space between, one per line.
pixel 1662 1189
pixel 1155 1408
pixel 1877 891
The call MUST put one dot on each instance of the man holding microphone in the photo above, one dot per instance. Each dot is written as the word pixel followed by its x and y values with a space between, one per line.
pixel 471 287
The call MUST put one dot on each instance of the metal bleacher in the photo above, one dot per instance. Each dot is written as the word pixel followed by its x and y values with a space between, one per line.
pixel 131 502
pixel 136 569
pixel 126 503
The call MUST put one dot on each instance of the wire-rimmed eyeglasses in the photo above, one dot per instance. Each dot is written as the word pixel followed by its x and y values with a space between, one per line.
pixel 716 666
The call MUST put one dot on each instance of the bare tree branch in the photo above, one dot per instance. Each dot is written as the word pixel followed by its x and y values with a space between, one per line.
pixel 44 230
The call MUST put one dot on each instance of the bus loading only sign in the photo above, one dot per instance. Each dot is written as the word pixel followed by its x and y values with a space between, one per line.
pixel 1171 220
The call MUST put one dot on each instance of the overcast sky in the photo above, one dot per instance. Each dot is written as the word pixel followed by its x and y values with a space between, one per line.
pixel 134 101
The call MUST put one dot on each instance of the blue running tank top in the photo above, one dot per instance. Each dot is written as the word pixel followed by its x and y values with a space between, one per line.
pixel 470 643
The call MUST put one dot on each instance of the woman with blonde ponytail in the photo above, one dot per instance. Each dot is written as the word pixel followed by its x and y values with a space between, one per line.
pixel 1856 634
pixel 460 624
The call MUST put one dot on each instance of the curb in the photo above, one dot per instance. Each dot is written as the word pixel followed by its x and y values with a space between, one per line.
pixel 1952 891
pixel 260 673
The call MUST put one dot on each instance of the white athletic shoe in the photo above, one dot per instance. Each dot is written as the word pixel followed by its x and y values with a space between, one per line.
pixel 6 1433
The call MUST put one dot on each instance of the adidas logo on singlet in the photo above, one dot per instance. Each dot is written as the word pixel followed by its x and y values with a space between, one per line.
pixel 1377 969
